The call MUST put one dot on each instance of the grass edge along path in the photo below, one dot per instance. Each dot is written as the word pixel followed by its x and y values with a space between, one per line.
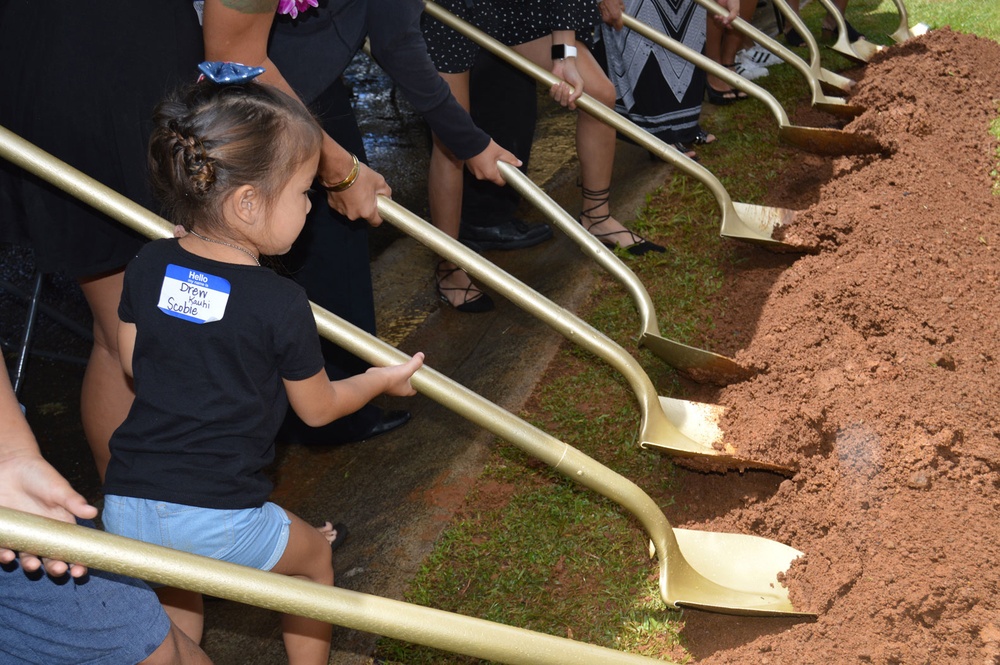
pixel 533 549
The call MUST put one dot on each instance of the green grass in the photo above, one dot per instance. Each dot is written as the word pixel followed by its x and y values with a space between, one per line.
pixel 534 549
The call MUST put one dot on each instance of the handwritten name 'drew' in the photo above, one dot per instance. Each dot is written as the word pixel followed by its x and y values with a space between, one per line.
pixel 193 295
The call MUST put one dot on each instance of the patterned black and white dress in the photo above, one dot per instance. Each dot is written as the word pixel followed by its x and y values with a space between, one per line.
pixel 657 90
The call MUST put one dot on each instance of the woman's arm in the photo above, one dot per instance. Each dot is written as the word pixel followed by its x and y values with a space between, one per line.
pixel 237 31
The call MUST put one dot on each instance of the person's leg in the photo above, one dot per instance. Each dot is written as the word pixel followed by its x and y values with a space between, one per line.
pixel 307 556
pixel 595 144
pixel 444 178
pixel 186 610
pixel 791 34
pixel 503 103
pixel 100 618
pixel 732 41
pixel 177 649
pixel 829 23
pixel 330 260
pixel 444 192
pixel 107 394
pixel 713 49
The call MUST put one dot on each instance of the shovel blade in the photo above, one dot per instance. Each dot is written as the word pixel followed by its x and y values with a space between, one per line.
pixel 833 83
pixel 837 106
pixel 732 573
pixel 758 224
pixel 694 435
pixel 865 49
pixel 832 142
pixel 697 364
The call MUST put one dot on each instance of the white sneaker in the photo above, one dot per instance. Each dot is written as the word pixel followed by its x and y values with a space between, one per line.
pixel 749 71
pixel 757 56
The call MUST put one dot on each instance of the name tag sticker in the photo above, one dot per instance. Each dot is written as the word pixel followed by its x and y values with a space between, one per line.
pixel 193 295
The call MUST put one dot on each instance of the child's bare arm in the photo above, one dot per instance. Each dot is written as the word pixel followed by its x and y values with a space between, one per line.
pixel 318 401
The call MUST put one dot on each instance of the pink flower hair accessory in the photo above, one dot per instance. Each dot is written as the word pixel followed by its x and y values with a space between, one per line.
pixel 293 7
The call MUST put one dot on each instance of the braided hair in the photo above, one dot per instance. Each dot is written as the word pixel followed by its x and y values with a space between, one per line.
pixel 209 139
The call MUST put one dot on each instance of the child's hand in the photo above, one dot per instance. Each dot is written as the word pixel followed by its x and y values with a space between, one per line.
pixel 398 376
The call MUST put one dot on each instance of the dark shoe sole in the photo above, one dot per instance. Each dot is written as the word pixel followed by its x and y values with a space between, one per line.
pixel 536 236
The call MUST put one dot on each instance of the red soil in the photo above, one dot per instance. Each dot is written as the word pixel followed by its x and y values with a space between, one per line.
pixel 879 384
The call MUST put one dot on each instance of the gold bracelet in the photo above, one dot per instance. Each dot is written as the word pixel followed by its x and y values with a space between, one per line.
pixel 349 180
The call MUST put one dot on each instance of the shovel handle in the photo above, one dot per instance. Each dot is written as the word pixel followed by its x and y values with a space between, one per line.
pixel 477 409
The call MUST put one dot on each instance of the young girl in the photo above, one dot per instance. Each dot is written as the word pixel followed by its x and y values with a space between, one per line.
pixel 219 346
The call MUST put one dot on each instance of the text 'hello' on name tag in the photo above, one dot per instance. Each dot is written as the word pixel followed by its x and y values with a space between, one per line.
pixel 193 295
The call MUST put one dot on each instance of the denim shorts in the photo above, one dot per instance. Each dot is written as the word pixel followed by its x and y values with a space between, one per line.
pixel 99 619
pixel 254 537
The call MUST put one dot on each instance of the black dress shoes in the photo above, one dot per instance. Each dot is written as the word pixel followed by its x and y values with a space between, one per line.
pixel 389 421
pixel 369 422
pixel 511 233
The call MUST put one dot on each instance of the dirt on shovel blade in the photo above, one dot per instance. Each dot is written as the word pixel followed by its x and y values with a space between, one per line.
pixel 880 377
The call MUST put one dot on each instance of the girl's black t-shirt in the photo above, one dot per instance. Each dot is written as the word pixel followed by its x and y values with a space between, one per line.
pixel 213 343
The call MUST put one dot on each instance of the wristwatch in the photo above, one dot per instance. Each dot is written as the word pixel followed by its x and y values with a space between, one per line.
pixel 563 51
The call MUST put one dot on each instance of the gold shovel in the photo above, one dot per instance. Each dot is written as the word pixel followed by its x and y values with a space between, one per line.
pixel 904 32
pixel 723 572
pixel 831 82
pixel 745 221
pixel 698 364
pixel 822 141
pixel 833 105
pixel 860 51
pixel 673 426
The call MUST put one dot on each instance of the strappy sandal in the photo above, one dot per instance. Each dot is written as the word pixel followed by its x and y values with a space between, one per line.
pixel 474 300
pixel 685 149
pixel 701 137
pixel 639 244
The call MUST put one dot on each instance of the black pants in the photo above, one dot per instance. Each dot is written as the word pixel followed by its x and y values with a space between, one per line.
pixel 504 105
pixel 330 260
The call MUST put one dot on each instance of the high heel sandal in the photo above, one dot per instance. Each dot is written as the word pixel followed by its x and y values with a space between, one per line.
pixel 474 301
pixel 793 38
pixel 724 97
pixel 833 33
pixel 639 244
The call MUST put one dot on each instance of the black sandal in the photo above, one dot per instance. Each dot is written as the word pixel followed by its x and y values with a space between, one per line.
pixel 793 38
pixel 833 33
pixel 341 536
pixel 701 137
pixel 475 301
pixel 721 97
pixel 685 149
pixel 639 244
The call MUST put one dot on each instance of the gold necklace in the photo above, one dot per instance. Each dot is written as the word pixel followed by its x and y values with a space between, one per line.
pixel 227 244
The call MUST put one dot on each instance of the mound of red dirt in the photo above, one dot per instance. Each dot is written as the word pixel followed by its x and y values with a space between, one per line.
pixel 879 384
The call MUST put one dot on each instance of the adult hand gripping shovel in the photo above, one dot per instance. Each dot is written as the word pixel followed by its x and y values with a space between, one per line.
pixel 833 105
pixel 822 141
pixel 722 572
pixel 698 364
pixel 745 221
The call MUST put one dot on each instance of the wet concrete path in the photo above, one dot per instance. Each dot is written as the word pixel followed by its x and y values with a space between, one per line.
pixel 396 492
